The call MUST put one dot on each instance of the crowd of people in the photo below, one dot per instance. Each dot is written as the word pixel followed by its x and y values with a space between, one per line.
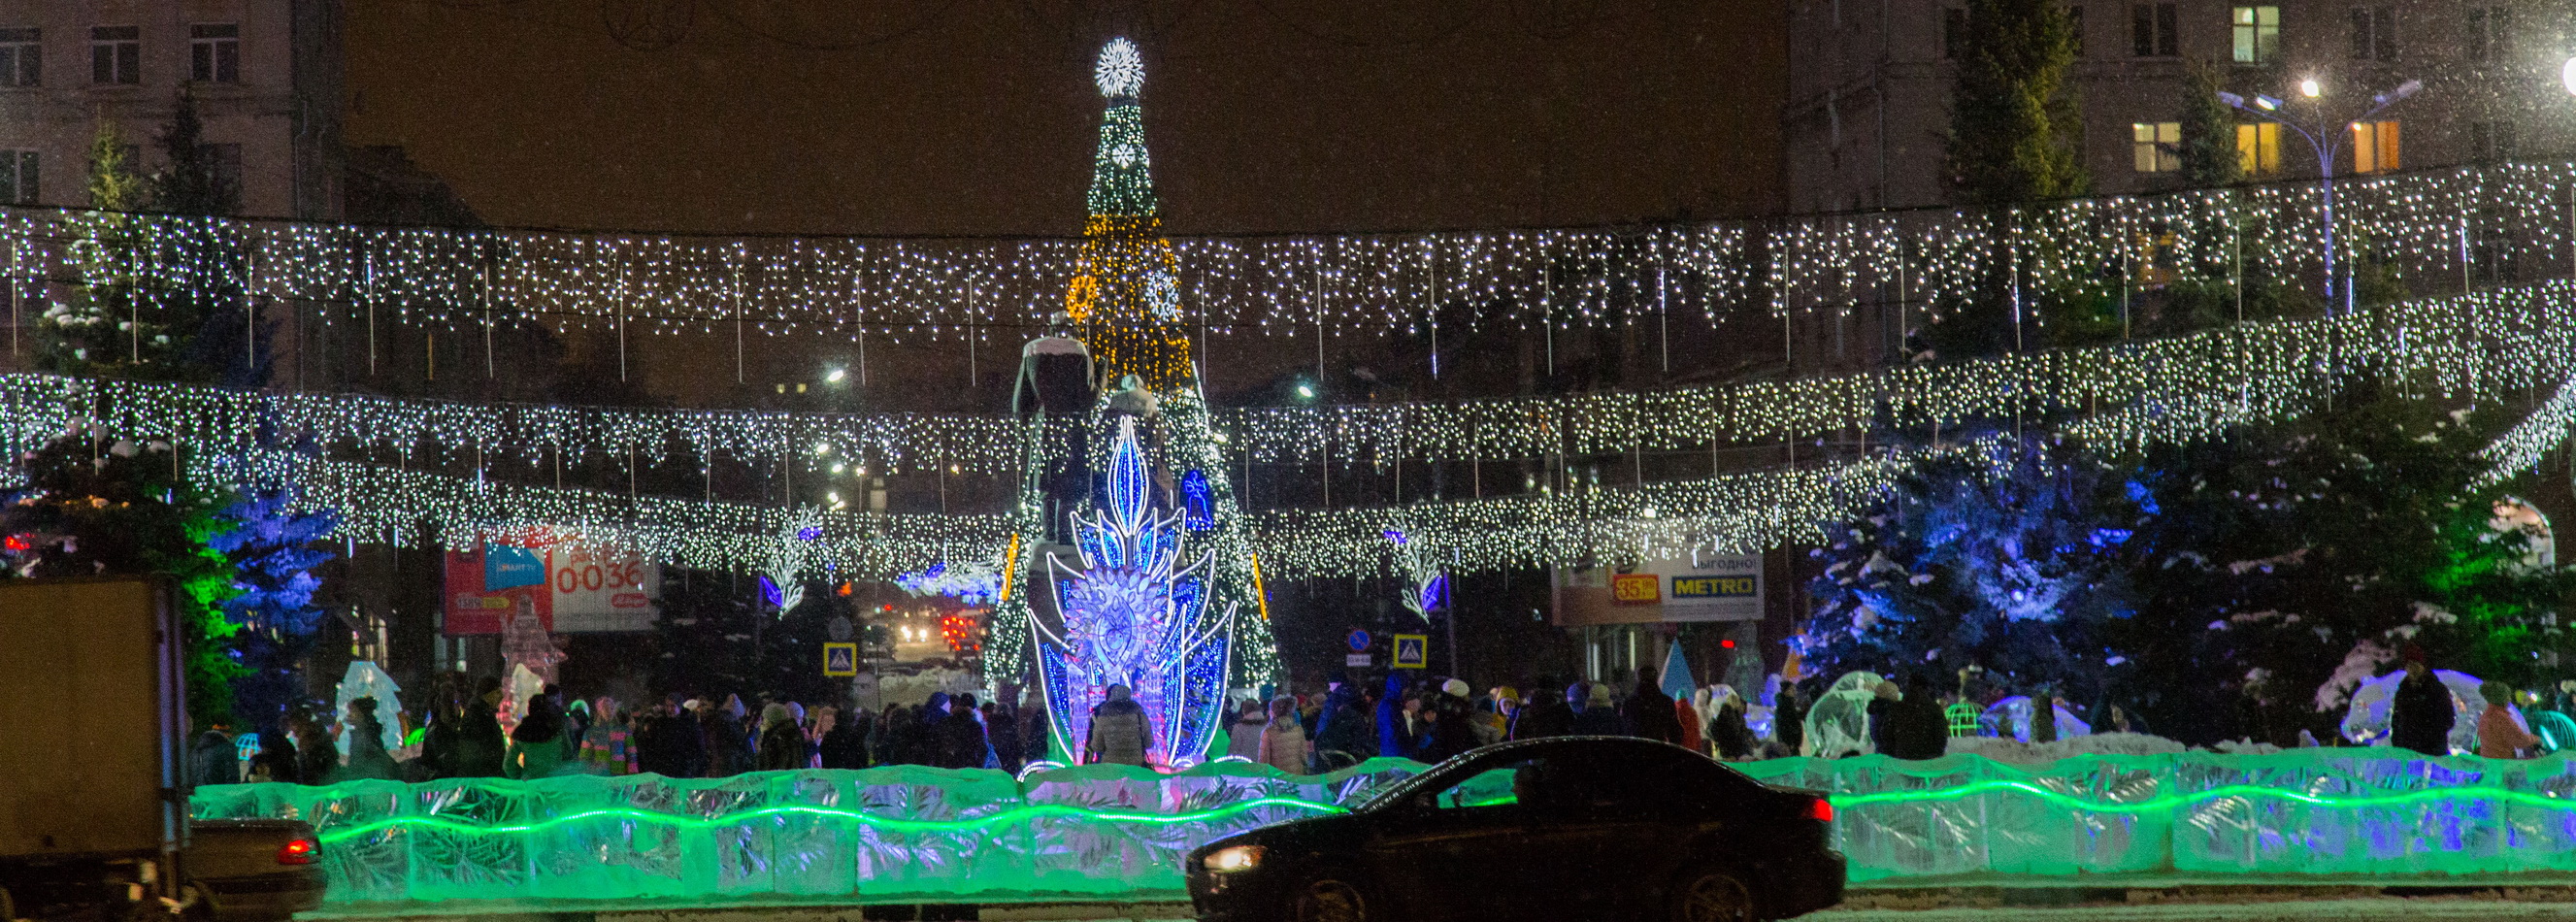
pixel 1431 719
pixel 461 732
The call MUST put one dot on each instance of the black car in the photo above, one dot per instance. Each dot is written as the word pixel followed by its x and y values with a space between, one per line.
pixel 1569 827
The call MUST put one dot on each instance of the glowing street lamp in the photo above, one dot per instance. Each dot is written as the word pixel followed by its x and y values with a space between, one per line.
pixel 2567 75
pixel 2326 139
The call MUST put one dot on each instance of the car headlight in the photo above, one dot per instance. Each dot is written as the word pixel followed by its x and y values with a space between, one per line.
pixel 1235 859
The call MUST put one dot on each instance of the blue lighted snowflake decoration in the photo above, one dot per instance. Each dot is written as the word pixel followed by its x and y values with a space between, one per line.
pixel 1134 615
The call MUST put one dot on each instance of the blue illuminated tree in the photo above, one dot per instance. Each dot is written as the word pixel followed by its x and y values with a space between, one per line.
pixel 2009 562
pixel 273 550
pixel 1136 615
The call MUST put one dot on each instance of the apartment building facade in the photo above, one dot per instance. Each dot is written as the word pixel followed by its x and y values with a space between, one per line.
pixel 1870 81
pixel 266 75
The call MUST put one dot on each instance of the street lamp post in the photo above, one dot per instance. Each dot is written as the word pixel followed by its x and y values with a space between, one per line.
pixel 2325 142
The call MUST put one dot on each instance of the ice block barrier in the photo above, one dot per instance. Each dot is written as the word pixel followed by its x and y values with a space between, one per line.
pixel 923 834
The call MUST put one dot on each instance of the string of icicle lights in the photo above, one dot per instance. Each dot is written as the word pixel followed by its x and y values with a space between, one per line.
pixel 461 279
pixel 1734 512
pixel 2486 345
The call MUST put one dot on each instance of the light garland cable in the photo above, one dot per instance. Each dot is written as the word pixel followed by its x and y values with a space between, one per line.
pixel 952 288
pixel 2486 344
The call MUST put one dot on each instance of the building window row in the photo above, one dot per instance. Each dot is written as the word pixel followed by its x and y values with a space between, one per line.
pixel 116 55
pixel 2156 147
pixel 2155 31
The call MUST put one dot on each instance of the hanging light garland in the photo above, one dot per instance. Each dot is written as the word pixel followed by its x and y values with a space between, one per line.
pixel 2484 345
pixel 1332 284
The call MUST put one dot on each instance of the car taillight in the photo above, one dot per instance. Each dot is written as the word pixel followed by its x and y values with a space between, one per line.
pixel 299 851
pixel 1820 810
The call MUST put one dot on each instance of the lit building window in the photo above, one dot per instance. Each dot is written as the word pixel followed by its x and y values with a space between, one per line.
pixel 2258 34
pixel 2258 148
pixel 2156 146
pixel 2374 146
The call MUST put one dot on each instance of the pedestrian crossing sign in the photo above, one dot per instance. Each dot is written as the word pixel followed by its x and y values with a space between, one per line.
pixel 840 659
pixel 1412 651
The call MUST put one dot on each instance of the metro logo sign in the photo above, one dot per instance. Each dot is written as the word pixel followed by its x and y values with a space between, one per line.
pixel 1636 589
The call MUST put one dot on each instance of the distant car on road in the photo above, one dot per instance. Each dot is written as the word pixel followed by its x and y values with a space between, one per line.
pixel 1568 827
pixel 255 870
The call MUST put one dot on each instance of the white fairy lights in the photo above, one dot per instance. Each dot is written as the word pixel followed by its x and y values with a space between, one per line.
pixel 913 288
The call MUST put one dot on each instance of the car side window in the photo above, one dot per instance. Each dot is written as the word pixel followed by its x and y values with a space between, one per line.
pixel 1489 788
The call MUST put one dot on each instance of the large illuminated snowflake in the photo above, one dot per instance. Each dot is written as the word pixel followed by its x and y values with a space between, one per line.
pixel 1121 72
pixel 1134 615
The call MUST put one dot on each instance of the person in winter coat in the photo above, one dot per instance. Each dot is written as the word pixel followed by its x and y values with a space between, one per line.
pixel 1599 717
pixel 2498 736
pixel 1002 732
pixel 782 743
pixel 276 759
pixel 317 758
pixel 604 749
pixel 1546 715
pixel 212 759
pixel 1650 714
pixel 1399 720
pixel 1120 734
pixel 1727 731
pixel 1694 714
pixel 537 744
pixel 1343 734
pixel 2421 714
pixel 1280 742
pixel 1909 725
pixel 1789 719
pixel 1245 729
pixel 1446 730
pixel 366 738
pixel 845 740
pixel 962 740
pixel 1492 716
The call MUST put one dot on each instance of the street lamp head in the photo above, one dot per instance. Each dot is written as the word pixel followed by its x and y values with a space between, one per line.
pixel 2403 90
pixel 835 375
pixel 2235 100
pixel 2567 75
pixel 2311 89
pixel 2266 103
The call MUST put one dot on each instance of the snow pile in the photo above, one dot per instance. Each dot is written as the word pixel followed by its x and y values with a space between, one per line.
pixel 2016 752
pixel 2246 748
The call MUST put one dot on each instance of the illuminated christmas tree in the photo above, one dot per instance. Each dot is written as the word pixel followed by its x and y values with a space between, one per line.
pixel 1126 306
pixel 1125 297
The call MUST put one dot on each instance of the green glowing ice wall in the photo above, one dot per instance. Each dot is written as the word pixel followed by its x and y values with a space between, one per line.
pixel 1102 831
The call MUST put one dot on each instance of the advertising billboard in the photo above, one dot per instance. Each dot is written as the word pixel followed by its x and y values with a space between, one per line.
pixel 572 589
pixel 1708 587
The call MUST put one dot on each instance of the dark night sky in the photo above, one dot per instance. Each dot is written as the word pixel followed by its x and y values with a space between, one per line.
pixel 978 117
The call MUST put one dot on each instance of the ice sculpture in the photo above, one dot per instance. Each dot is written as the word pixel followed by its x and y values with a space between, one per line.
pixel 1135 616
pixel 1839 722
pixel 1106 832
pixel 2366 721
